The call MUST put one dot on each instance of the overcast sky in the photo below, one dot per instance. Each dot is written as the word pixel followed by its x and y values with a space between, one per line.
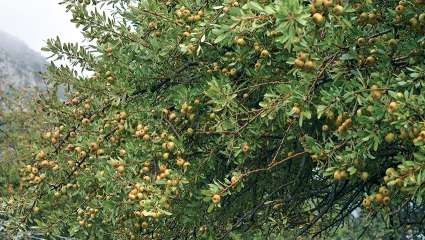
pixel 34 21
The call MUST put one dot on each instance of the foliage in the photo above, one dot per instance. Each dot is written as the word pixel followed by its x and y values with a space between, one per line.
pixel 229 120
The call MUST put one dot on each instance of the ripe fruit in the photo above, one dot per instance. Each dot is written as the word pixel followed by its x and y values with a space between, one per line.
pixel 338 10
pixel 309 65
pixel 399 9
pixel 234 180
pixel 370 60
pixel 121 168
pixel 36 209
pixel 366 203
pixel 392 43
pixel 379 198
pixel 94 147
pixel 170 146
pixel 41 155
pixel 296 110
pixel 387 201
pixel 264 54
pixel 389 138
pixel 85 121
pixel 376 92
pixel 361 41
pixel 123 152
pixel 318 18
pixel 318 3
pixel 245 148
pixel 240 41
pixel 392 107
pixel 327 3
pixel 338 175
pixel 216 198
pixel 383 190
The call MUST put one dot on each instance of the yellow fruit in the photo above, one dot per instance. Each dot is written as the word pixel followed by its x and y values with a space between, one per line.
pixel 36 209
pixel 327 3
pixel 123 152
pixel 387 201
pixel 383 190
pixel 296 110
pixel 240 41
pixel 264 54
pixel 120 168
pixel 366 203
pixel 170 146
pixel 318 3
pixel 318 18
pixel 245 148
pixel 309 65
pixel 361 41
pixel 389 138
pixel 338 10
pixel 399 9
pixel 364 176
pixel 85 121
pixel 41 155
pixel 370 60
pixel 216 198
pixel 379 198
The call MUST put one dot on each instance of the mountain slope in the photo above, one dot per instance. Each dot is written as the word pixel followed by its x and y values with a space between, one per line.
pixel 18 63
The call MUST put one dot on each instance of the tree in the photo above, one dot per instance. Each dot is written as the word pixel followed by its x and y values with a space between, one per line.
pixel 230 120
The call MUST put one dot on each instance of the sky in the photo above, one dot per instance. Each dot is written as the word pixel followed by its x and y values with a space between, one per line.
pixel 35 21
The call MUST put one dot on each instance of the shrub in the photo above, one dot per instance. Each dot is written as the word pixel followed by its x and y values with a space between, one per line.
pixel 225 119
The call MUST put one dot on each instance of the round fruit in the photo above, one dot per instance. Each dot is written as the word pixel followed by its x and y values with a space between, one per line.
pixel 361 41
pixel 240 41
pixel 338 10
pixel 245 148
pixel 364 176
pixel 370 60
pixel 310 65
pixel 216 198
pixel 379 198
pixel 299 63
pixel 389 138
pixel 264 53
pixel 296 110
pixel 318 18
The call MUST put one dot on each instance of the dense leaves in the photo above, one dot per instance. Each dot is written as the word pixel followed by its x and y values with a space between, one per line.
pixel 230 120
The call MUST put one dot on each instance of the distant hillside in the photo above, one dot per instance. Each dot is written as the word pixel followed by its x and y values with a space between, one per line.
pixel 18 63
